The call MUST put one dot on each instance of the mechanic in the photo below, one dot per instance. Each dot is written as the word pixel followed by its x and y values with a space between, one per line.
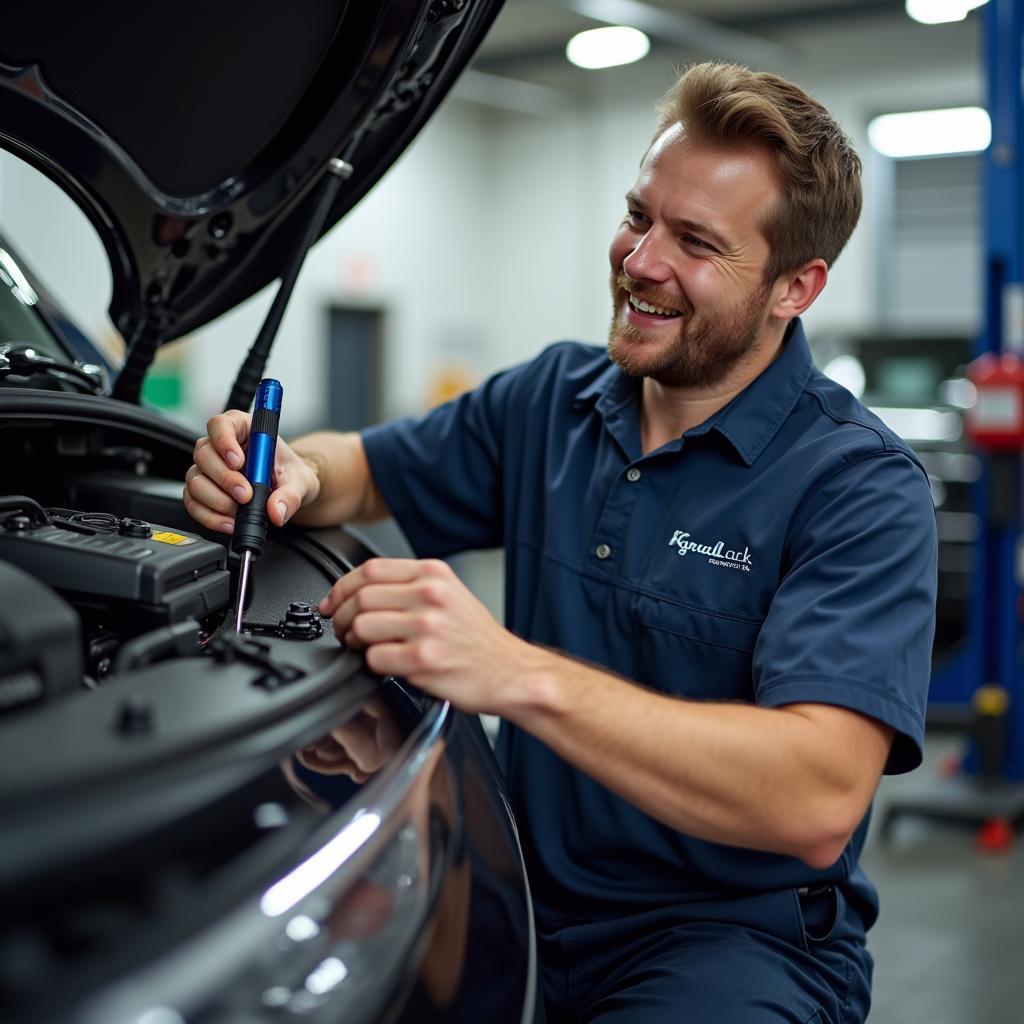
pixel 720 584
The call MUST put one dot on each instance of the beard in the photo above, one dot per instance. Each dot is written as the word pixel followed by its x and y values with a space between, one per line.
pixel 702 352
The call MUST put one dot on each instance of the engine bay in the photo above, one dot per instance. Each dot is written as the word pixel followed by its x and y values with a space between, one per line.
pixel 111 573
pixel 119 660
pixel 117 592
pixel 123 578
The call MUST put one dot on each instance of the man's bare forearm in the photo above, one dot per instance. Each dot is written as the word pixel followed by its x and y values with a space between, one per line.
pixel 347 491
pixel 795 780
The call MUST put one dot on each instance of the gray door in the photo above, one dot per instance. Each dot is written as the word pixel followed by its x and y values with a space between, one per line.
pixel 353 399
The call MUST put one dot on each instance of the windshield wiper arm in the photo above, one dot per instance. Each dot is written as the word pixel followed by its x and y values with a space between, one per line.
pixel 23 361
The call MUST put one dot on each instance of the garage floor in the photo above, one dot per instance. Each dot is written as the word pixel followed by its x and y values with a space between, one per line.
pixel 949 944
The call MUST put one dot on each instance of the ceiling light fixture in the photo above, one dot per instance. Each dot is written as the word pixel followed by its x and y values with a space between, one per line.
pixel 931 132
pixel 936 12
pixel 607 47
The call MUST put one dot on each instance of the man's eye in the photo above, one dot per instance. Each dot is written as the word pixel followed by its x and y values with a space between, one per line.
pixel 698 243
pixel 636 217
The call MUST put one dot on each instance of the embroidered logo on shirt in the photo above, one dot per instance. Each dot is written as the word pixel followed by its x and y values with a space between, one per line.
pixel 717 553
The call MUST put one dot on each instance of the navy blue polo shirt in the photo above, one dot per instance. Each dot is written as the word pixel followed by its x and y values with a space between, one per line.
pixel 783 551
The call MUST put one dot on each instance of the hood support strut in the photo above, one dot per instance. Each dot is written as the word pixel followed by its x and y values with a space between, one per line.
pixel 251 370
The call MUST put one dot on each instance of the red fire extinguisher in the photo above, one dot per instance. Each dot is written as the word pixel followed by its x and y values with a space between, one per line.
pixel 996 421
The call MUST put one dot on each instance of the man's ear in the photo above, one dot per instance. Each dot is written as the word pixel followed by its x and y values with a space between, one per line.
pixel 795 291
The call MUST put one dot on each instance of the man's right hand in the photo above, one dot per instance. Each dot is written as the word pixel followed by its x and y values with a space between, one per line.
pixel 215 485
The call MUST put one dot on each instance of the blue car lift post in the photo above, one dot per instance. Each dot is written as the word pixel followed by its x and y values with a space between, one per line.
pixel 985 678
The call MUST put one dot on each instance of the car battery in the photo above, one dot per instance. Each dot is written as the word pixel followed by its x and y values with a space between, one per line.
pixel 151 575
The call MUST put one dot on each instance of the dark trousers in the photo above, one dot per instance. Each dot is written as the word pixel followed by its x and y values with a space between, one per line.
pixel 777 957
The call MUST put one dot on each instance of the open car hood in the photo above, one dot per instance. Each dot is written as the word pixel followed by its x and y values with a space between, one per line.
pixel 194 136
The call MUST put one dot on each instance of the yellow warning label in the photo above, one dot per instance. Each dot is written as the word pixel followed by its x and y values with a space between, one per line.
pixel 172 538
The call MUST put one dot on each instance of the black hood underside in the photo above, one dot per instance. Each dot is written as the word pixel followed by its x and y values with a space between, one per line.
pixel 193 136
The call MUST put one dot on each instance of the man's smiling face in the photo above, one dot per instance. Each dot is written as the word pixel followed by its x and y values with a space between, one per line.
pixel 688 262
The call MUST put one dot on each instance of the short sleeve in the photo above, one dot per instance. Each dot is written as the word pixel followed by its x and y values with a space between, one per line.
pixel 441 474
pixel 853 619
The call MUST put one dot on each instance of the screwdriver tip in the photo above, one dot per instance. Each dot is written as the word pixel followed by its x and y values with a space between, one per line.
pixel 243 584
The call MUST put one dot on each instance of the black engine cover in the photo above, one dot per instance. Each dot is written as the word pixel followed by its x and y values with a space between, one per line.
pixel 161 576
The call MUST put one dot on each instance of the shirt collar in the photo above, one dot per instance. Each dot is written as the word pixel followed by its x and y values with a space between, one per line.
pixel 754 416
pixel 750 420
pixel 610 388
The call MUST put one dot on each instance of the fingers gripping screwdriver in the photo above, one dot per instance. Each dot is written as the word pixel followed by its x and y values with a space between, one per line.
pixel 251 519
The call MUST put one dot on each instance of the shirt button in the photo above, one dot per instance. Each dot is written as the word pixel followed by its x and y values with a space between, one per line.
pixel 603 551
pixel 632 475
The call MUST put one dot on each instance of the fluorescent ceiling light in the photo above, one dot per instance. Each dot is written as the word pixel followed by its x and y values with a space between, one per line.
pixel 931 132
pixel 607 47
pixel 935 12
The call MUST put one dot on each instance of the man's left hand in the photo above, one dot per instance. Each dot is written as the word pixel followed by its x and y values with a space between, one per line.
pixel 416 619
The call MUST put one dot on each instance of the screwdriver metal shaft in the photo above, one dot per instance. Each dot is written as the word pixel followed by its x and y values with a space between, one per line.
pixel 251 518
pixel 243 589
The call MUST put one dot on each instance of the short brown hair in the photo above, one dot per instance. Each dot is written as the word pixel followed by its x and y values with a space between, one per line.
pixel 730 106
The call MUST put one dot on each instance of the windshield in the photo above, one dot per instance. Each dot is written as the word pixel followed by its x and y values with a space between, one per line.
pixel 20 322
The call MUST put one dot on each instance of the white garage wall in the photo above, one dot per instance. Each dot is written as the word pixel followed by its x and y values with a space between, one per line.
pixel 564 199
pixel 490 236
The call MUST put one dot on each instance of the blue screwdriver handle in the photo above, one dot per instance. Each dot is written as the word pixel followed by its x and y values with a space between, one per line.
pixel 251 519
